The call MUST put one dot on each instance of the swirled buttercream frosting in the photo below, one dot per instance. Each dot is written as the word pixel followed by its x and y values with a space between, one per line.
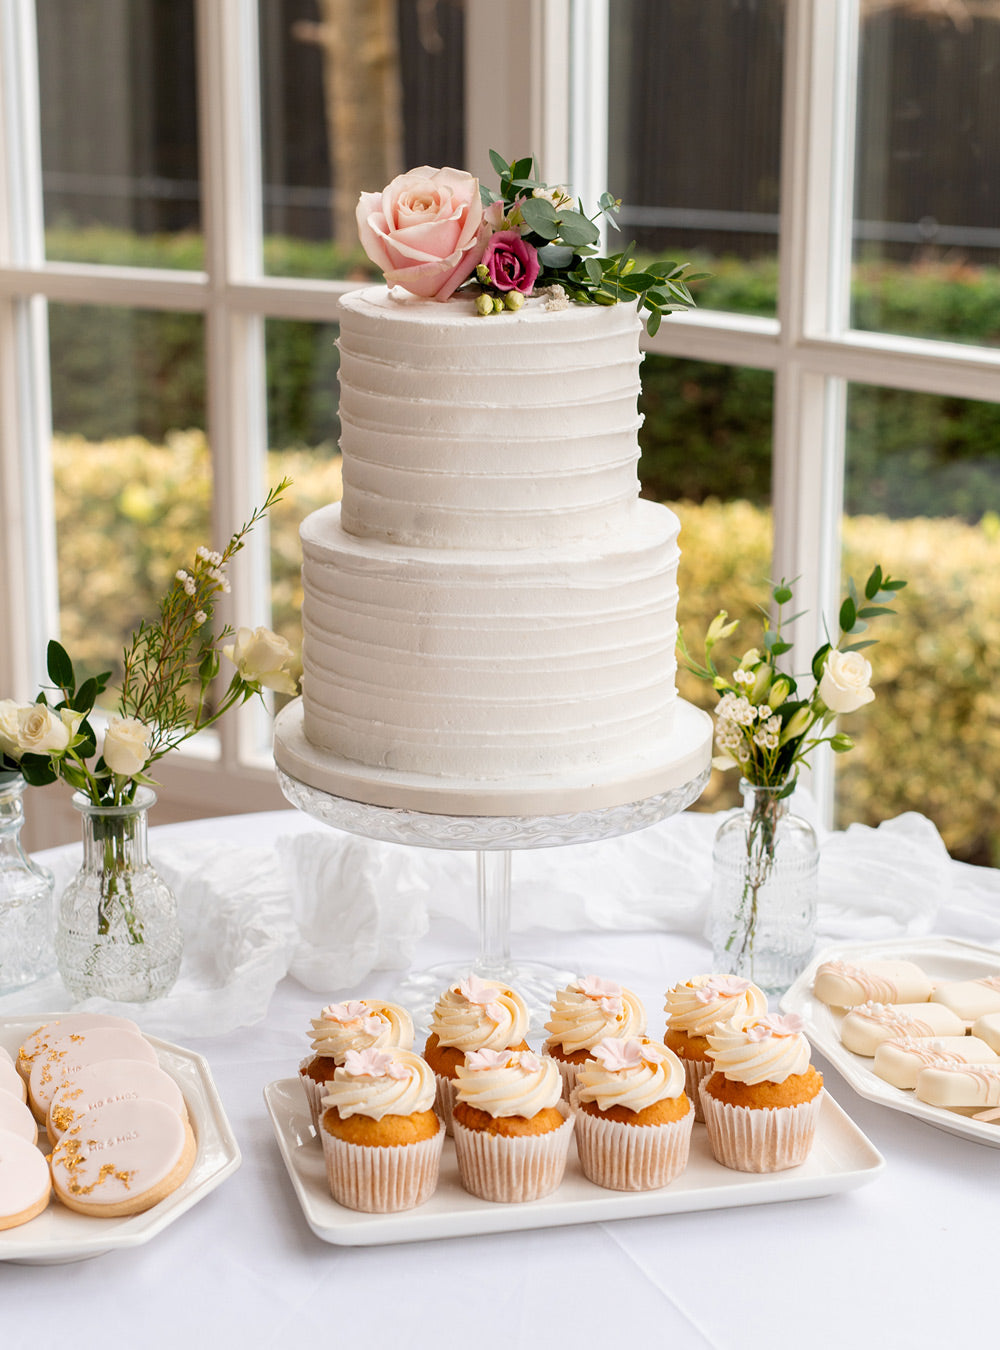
pixel 508 1082
pixel 377 1083
pixel 632 1073
pixel 767 1050
pixel 475 1013
pixel 591 1008
pixel 361 1024
pixel 697 1005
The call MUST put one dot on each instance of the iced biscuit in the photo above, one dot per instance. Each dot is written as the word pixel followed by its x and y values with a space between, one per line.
pixel 122 1159
pixel 960 1085
pixel 109 1081
pixel 900 1061
pixel 843 985
pixel 64 1026
pixel 25 1187
pixel 63 1058
pixel 988 1029
pixel 970 999
pixel 16 1117
pixel 865 1028
pixel 11 1082
pixel 5 1056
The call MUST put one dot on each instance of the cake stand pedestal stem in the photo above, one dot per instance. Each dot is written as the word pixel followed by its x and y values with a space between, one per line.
pixel 493 881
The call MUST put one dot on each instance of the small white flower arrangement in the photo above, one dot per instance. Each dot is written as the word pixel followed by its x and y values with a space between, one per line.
pixel 169 668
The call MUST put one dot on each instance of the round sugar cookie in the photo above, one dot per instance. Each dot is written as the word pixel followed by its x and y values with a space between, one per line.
pixel 122 1158
pixel 16 1117
pixel 11 1082
pixel 107 1081
pixel 65 1026
pixel 65 1057
pixel 25 1187
pixel 5 1056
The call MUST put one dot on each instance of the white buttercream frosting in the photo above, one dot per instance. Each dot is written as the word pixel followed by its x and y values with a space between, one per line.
pixel 475 1013
pixel 631 1073
pixel 360 1024
pixel 768 1050
pixel 591 1008
pixel 699 1004
pixel 508 1083
pixel 378 1083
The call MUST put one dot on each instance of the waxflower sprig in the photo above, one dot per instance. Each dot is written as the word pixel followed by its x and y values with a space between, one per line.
pixel 169 667
pixel 764 726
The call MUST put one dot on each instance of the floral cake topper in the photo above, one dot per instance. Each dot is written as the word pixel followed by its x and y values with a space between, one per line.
pixel 436 231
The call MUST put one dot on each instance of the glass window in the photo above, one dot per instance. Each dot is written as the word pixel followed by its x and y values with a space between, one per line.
pixel 923 501
pixel 694 138
pixel 351 95
pixel 119 132
pixel 927 194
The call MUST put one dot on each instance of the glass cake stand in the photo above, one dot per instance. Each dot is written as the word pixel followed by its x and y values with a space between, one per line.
pixel 494 839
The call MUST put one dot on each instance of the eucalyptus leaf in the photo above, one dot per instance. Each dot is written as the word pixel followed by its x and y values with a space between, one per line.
pixel 500 165
pixel 555 255
pixel 575 228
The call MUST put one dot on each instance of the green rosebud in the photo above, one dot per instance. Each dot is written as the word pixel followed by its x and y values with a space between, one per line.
pixel 483 274
pixel 797 725
pixel 513 300
pixel 750 658
pixel 779 692
pixel 761 684
pixel 498 305
pixel 484 304
pixel 840 744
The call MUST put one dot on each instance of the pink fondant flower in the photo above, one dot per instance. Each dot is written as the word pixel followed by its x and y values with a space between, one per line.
pixel 617 1055
pixel 606 993
pixel 373 1064
pixel 774 1024
pixel 425 230
pixel 726 986
pixel 484 995
pixel 512 263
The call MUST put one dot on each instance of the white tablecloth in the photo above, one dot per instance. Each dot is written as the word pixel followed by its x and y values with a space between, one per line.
pixel 899 1261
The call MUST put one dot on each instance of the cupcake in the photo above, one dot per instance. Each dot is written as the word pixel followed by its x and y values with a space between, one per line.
pixel 512 1128
pixel 361 1024
pixel 762 1101
pixel 585 1012
pixel 694 1008
pixel 381 1139
pixel 474 1014
pixel 633 1117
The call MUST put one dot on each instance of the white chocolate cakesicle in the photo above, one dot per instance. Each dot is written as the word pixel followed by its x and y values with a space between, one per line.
pixel 988 1029
pixel 960 1085
pixel 970 999
pixel 865 1028
pixel 843 985
pixel 900 1061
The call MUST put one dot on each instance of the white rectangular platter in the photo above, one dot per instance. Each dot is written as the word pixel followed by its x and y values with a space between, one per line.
pixel 842 1158
pixel 59 1235
pixel 942 958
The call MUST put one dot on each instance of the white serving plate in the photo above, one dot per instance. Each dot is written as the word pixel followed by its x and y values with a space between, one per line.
pixel 59 1235
pixel 942 958
pixel 842 1158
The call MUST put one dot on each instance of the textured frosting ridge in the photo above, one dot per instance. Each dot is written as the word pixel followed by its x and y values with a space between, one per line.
pixel 361 1024
pixel 632 1073
pixel 377 1083
pixel 699 1004
pixel 508 1083
pixel 589 1009
pixel 476 1013
pixel 768 1050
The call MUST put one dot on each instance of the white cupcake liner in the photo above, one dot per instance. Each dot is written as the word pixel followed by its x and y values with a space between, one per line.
pixel 512 1170
pixel 444 1099
pixel 631 1157
pixel 567 1072
pixel 760 1139
pixel 315 1092
pixel 382 1180
pixel 695 1073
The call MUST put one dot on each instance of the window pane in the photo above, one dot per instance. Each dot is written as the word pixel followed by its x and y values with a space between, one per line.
pixel 927 200
pixel 119 132
pixel 351 95
pixel 132 471
pixel 706 452
pixel 923 501
pixel 694 139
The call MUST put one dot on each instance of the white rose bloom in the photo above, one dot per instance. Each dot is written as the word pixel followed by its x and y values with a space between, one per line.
pixel 844 686
pixel 40 730
pixel 263 658
pixel 126 745
pixel 8 728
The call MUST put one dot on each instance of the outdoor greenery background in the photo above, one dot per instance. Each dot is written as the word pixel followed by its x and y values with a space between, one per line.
pixel 132 464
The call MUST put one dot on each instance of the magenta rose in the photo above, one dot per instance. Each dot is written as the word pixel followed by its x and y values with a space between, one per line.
pixel 425 230
pixel 511 262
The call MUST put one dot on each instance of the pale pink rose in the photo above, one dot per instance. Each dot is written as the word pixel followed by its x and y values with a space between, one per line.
pixel 426 230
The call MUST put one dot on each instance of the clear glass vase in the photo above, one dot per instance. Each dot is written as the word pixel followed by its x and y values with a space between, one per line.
pixel 765 863
pixel 119 935
pixel 26 890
